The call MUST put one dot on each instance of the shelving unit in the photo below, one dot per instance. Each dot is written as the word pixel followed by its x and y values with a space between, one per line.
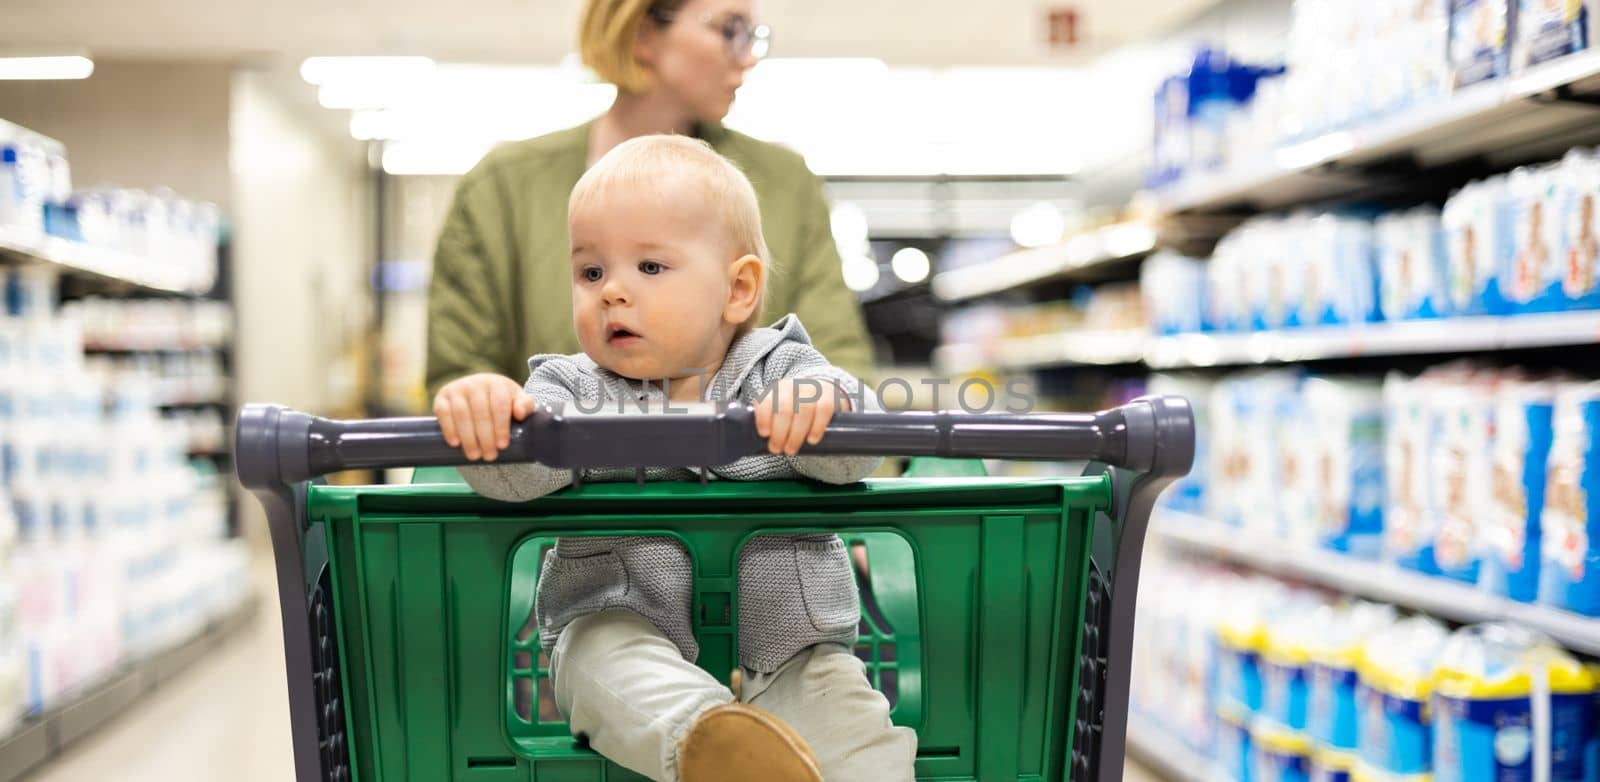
pixel 1541 112
pixel 1187 351
pixel 1420 337
pixel 39 739
pixel 104 264
pixel 1374 580
pixel 1082 254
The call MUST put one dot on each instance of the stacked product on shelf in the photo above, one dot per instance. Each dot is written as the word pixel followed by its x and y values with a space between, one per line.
pixel 176 345
pixel 1525 242
pixel 1274 683
pixel 1483 476
pixel 121 542
pixel 1350 63
pixel 1220 112
pixel 163 235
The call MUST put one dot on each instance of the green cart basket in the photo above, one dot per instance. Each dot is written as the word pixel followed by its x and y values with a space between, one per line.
pixel 997 613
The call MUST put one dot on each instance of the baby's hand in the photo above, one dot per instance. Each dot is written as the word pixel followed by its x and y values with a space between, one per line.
pixel 475 413
pixel 787 419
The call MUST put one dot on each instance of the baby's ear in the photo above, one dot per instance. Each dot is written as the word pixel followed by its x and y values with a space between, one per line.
pixel 746 277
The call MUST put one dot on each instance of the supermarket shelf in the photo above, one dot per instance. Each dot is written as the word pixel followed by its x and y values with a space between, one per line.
pixel 1417 337
pixel 1448 335
pixel 1481 120
pixel 1080 348
pixel 1166 755
pixel 101 262
pixel 1108 245
pixel 39 739
pixel 1374 580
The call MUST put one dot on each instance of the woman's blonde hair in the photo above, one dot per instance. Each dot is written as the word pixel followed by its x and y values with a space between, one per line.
pixel 646 161
pixel 607 34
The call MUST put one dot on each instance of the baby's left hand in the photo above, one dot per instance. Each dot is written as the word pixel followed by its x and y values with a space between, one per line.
pixel 789 420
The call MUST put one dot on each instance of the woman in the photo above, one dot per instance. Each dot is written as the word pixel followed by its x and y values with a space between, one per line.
pixel 500 289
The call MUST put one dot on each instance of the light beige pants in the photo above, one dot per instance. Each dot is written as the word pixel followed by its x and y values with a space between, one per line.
pixel 622 684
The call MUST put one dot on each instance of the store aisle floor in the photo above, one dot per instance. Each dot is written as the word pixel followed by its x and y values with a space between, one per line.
pixel 227 719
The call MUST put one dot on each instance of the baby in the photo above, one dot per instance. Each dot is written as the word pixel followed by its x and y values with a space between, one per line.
pixel 669 267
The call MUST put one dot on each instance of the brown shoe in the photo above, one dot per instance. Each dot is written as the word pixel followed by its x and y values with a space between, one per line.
pixel 737 742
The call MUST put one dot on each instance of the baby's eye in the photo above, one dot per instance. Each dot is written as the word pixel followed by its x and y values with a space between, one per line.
pixel 651 267
pixel 591 273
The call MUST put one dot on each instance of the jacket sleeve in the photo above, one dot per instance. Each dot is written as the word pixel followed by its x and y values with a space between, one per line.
pixel 549 383
pixel 798 360
pixel 465 321
pixel 817 292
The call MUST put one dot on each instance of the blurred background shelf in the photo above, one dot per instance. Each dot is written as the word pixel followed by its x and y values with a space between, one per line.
pixel 102 263
pixel 1380 581
pixel 1416 337
pixel 38 739
pixel 1080 348
pixel 1538 114
pixel 1084 254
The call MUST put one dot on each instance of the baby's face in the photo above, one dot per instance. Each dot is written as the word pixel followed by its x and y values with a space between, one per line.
pixel 651 281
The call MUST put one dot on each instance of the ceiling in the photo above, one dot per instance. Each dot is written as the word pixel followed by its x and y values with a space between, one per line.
pixel 273 34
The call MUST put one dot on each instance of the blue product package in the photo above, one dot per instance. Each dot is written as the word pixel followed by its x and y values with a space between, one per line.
pixel 1579 246
pixel 1408 514
pixel 1239 674
pixel 1547 29
pixel 1234 746
pixel 1412 267
pixel 1461 471
pixel 1278 755
pixel 1510 707
pixel 1172 288
pixel 1532 243
pixel 1392 696
pixel 1474 220
pixel 1286 661
pixel 1331 710
pixel 1480 40
pixel 1510 567
pixel 1331 714
pixel 1569 570
pixel 1209 104
pixel 1346 421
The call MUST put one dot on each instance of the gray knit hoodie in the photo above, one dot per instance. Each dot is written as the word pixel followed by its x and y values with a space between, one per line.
pixel 794 590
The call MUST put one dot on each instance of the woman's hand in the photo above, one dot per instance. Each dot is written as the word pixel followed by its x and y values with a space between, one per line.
pixel 789 420
pixel 475 412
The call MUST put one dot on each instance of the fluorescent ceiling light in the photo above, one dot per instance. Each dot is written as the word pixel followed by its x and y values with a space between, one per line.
pixel 860 273
pixel 910 264
pixel 419 158
pixel 323 70
pixel 55 67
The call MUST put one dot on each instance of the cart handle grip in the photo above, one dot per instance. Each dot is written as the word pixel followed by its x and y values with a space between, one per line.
pixel 277 446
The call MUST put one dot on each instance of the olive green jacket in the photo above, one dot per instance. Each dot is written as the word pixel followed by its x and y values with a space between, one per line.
pixel 501 287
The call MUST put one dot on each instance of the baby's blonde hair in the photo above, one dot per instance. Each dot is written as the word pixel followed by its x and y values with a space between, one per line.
pixel 646 161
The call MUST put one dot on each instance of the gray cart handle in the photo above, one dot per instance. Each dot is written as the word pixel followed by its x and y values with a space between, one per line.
pixel 277 446
pixel 1145 445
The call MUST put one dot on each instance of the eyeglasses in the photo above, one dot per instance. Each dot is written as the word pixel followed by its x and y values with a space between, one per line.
pixel 740 36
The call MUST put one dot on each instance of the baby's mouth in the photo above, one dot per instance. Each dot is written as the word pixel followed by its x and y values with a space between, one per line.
pixel 617 334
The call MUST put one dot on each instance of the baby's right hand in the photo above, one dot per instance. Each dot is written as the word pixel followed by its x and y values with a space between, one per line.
pixel 475 413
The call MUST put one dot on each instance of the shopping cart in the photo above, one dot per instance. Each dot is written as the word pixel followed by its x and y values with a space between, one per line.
pixel 998 613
